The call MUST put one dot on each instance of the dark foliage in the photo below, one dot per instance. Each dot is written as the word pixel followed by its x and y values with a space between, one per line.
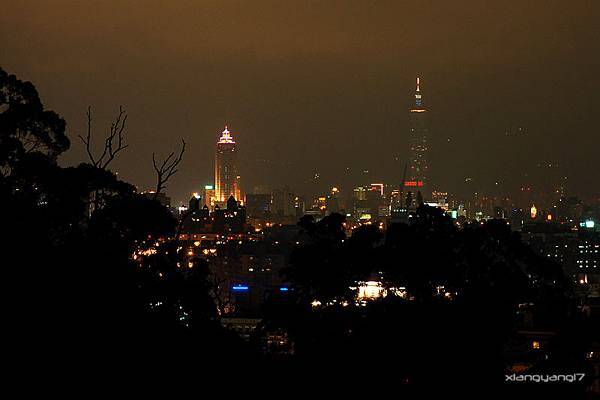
pixel 463 287
pixel 69 236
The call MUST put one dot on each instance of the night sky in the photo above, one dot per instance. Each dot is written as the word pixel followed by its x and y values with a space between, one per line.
pixel 324 87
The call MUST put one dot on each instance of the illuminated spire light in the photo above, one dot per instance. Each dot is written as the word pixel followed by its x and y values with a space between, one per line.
pixel 418 100
pixel 226 136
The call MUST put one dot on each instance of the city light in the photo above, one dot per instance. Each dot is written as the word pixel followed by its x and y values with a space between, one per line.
pixel 449 229
pixel 377 187
pixel 370 290
pixel 226 136
pixel 413 183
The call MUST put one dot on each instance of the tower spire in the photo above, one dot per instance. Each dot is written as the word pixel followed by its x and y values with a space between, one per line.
pixel 226 136
pixel 418 99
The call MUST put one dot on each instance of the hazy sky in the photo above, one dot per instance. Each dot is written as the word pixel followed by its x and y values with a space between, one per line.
pixel 324 86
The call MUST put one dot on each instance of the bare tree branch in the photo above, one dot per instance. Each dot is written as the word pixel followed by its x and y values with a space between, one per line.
pixel 88 139
pixel 116 131
pixel 167 168
pixel 110 151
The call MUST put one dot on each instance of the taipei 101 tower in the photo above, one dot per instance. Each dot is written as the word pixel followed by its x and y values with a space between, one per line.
pixel 417 171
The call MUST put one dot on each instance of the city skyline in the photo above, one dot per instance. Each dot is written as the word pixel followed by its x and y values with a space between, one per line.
pixel 340 97
pixel 304 191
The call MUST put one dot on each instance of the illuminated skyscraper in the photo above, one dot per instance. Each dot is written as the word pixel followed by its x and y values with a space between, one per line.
pixel 209 195
pixel 226 173
pixel 417 172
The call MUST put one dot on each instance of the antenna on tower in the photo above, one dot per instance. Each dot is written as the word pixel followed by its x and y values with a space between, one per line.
pixel 418 101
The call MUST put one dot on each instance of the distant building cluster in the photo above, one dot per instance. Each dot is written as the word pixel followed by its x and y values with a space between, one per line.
pixel 247 236
pixel 199 218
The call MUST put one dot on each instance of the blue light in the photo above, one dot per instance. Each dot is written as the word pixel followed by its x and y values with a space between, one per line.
pixel 590 223
pixel 240 288
pixel 283 289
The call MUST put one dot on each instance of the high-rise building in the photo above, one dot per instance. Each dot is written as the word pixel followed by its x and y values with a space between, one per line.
pixel 283 202
pixel 360 193
pixel 374 200
pixel 333 200
pixel 209 195
pixel 259 205
pixel 195 202
pixel 417 172
pixel 226 173
pixel 359 202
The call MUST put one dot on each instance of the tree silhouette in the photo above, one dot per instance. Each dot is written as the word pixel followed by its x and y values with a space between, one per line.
pixel 462 289
pixel 75 235
pixel 167 168
pixel 25 127
pixel 113 143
